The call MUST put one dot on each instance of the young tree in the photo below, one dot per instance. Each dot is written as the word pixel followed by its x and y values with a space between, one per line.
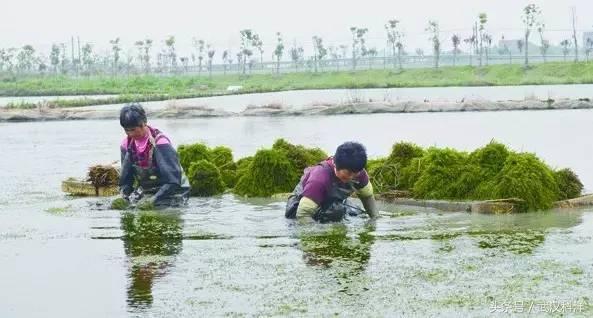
pixel 395 37
pixel 344 50
pixel 296 55
pixel 371 54
pixel 63 59
pixel 88 58
pixel 160 61
pixel 358 38
pixel 146 60
pixel 487 38
pixel 211 53
pixel 184 63
pixel 225 59
pixel 574 34
pixel 455 40
pixel 335 56
pixel 259 45
pixel 42 64
pixel 172 55
pixel 544 44
pixel 278 51
pixel 239 61
pixel 483 19
pixel 140 47
pixel 566 44
pixel 588 47
pixel 115 49
pixel 230 61
pixel 199 50
pixel 54 57
pixel 520 45
pixel 2 59
pixel 506 50
pixel 433 29
pixel 420 53
pixel 129 61
pixel 7 58
pixel 247 37
pixel 471 41
pixel 319 51
pixel 531 17
pixel 25 58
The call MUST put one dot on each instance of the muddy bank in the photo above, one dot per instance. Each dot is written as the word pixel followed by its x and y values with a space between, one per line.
pixel 45 114
pixel 187 109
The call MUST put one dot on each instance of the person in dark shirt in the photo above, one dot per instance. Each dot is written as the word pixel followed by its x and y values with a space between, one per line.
pixel 149 163
pixel 324 188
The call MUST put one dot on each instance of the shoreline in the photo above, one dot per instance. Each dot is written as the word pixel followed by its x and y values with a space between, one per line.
pixel 178 109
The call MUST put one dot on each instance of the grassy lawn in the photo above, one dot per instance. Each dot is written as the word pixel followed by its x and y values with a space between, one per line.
pixel 152 87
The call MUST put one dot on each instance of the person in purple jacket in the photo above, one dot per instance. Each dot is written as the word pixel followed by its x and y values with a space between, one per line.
pixel 149 163
pixel 324 188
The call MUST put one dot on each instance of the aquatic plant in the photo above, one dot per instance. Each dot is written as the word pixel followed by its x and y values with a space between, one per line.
pixel 526 177
pixel 270 172
pixel 299 156
pixel 322 248
pixel 569 185
pixel 103 176
pixel 189 154
pixel 403 153
pixel 205 179
pixel 515 241
pixel 222 157
pixel 120 204
pixel 490 158
pixel 441 169
pixel 243 166
pixel 151 233
pixel 390 173
pixel 146 204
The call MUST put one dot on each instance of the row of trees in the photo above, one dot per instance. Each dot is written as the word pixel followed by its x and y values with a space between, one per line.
pixel 84 60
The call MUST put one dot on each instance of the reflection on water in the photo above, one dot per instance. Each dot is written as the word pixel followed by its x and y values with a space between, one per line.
pixel 342 250
pixel 151 239
pixel 336 244
pixel 516 233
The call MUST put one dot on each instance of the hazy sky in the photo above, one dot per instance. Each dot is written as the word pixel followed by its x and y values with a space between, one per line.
pixel 42 22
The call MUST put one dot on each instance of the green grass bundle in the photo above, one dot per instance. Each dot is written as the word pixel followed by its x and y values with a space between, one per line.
pixel 205 179
pixel 189 154
pixel 393 173
pixel 299 156
pixel 569 185
pixel 269 172
pixel 440 173
pixel 526 177
pixel 103 176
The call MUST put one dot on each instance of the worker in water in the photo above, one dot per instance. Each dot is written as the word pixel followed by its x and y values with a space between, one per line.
pixel 150 170
pixel 324 188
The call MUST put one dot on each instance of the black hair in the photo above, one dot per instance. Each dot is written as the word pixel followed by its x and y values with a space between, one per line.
pixel 132 115
pixel 350 155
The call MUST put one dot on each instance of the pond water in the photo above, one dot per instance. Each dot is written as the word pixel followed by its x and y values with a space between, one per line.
pixel 227 256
